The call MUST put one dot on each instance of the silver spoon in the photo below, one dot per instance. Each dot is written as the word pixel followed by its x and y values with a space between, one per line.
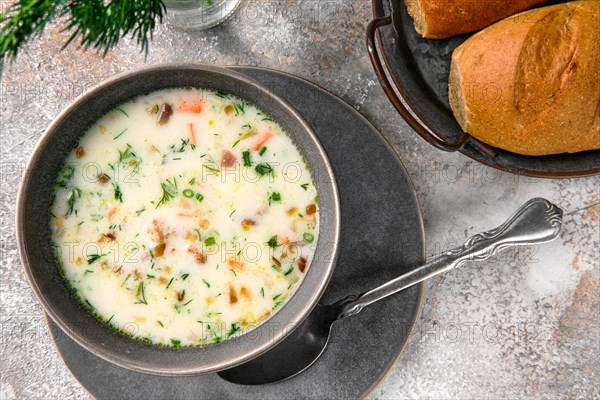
pixel 536 221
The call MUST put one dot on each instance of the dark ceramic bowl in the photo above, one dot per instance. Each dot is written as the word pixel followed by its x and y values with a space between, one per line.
pixel 59 302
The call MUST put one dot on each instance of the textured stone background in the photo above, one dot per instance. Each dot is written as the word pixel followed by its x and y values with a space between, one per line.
pixel 523 325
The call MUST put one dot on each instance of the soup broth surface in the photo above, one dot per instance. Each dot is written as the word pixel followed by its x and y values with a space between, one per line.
pixel 184 217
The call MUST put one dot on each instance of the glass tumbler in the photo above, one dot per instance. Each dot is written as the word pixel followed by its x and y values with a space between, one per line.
pixel 198 14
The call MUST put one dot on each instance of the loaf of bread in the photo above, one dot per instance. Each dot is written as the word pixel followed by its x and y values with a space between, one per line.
pixel 530 84
pixel 438 19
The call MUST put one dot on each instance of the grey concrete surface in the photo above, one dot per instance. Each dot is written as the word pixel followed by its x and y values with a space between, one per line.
pixel 523 325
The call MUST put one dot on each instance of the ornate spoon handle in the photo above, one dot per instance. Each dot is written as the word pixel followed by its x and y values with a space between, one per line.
pixel 536 221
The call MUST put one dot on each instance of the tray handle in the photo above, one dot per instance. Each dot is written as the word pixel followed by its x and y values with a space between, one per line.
pixel 414 123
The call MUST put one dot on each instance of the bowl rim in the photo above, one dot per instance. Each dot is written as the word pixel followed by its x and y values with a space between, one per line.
pixel 280 334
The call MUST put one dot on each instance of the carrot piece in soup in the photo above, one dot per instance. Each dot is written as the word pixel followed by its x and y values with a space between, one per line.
pixel 192 134
pixel 193 105
pixel 263 139
pixel 235 263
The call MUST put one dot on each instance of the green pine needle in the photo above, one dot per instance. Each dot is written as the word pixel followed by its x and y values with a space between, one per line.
pixel 95 24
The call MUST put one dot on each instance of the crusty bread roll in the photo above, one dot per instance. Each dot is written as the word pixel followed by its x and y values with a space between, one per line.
pixel 530 84
pixel 438 19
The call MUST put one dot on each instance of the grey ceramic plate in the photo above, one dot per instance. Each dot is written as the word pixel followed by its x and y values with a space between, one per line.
pixel 419 69
pixel 48 283
pixel 382 237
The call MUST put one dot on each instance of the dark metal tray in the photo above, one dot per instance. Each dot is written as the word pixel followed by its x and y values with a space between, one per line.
pixel 419 69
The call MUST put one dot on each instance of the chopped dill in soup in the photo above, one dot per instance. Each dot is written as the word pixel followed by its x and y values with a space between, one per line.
pixel 184 217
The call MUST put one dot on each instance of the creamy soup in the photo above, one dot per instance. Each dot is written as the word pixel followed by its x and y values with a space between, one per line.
pixel 184 217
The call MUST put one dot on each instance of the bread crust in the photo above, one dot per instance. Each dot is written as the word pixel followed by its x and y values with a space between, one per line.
pixel 530 84
pixel 438 19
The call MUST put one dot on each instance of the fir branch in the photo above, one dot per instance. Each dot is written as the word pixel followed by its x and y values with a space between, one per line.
pixel 25 19
pixel 94 23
